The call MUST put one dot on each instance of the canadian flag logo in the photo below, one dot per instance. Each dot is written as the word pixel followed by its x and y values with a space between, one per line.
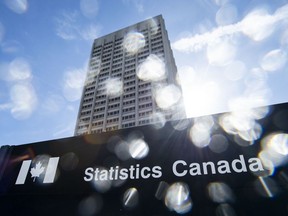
pixel 38 169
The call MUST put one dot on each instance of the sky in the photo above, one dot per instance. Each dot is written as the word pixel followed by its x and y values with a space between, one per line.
pixel 229 54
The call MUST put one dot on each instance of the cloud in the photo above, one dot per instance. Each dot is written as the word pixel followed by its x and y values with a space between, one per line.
pixel 69 27
pixel 257 25
pixel 10 46
pixel 90 32
pixel 17 6
pixel 73 82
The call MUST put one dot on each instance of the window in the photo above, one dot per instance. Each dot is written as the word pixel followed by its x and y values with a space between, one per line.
pixel 114 99
pixel 147 98
pixel 113 106
pixel 130 124
pixel 128 117
pixel 143 106
pixel 113 113
pixel 129 109
pixel 85 113
pixel 87 106
pixel 129 83
pixel 98 116
pixel 143 92
pixel 111 121
pixel 99 123
pixel 145 85
pixel 129 89
pixel 112 128
pixel 97 131
pixel 100 103
pixel 100 97
pixel 145 121
pixel 128 102
pixel 129 95
pixel 145 114
pixel 100 109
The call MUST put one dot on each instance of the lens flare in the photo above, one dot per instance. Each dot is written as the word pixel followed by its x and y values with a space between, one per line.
pixel 122 151
pixel 104 185
pixel 220 192
pixel 218 143
pixel 274 60
pixel 154 26
pixel 243 123
pixel 19 69
pixel 152 69
pixel 69 161
pixel 90 205
pixel 17 6
pixel 161 190
pixel 266 187
pixel 167 96
pixel 131 198
pixel 138 148
pixel 114 87
pixel 274 150
pixel 200 133
pixel 178 198
pixel 225 210
pixel 158 120
pixel 133 42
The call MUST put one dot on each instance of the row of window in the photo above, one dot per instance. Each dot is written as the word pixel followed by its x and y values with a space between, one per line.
pixel 145 114
pixel 87 106
pixel 143 106
pixel 114 120
pixel 127 125
pixel 127 117
pixel 100 109
pixel 113 113
pixel 129 109
pixel 99 123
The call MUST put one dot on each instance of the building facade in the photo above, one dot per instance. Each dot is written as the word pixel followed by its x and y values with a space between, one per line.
pixel 124 70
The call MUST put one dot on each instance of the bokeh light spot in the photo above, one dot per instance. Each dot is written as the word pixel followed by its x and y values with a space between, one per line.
pixel 274 60
pixel 152 69
pixel 167 96
pixel 200 133
pixel 17 6
pixel 103 184
pixel 218 143
pixel 138 148
pixel 114 87
pixel 90 205
pixel 133 42
pixel 19 69
pixel 131 198
pixel 220 192
pixel 178 198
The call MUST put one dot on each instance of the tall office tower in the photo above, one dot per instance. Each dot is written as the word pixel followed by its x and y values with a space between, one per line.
pixel 131 80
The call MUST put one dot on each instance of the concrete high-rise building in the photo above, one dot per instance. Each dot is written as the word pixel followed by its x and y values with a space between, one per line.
pixel 131 79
